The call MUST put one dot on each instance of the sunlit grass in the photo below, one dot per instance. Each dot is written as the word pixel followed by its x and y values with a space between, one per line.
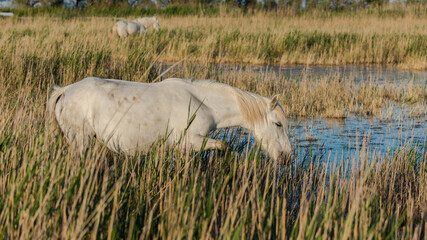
pixel 47 190
pixel 277 38
pixel 43 52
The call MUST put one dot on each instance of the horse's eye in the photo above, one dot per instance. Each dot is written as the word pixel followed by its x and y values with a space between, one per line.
pixel 278 124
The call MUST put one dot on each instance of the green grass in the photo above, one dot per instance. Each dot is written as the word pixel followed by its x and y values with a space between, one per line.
pixel 291 47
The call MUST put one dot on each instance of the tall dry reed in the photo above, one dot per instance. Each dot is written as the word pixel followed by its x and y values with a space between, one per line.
pixel 49 191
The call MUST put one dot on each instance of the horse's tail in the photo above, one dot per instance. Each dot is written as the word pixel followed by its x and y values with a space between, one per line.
pixel 55 96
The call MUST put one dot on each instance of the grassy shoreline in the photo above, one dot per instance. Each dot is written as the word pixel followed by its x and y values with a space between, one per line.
pixel 56 51
pixel 273 38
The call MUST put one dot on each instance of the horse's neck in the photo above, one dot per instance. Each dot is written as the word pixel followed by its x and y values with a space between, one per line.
pixel 228 115
pixel 225 108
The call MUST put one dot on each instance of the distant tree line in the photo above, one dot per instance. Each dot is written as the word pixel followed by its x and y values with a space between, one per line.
pixel 266 4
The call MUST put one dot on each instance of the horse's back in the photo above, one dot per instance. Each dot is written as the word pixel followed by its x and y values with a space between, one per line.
pixel 94 83
pixel 124 28
pixel 169 94
pixel 131 114
pixel 133 27
pixel 91 92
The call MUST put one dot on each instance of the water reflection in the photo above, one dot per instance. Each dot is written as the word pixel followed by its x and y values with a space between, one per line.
pixel 345 137
pixel 375 73
pixel 333 138
pixel 337 139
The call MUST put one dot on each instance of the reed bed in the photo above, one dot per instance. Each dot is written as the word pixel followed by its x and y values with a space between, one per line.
pixel 49 191
pixel 47 51
pixel 276 38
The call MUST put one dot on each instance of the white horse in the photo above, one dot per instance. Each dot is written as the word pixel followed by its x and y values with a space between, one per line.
pixel 126 28
pixel 131 116
pixel 148 22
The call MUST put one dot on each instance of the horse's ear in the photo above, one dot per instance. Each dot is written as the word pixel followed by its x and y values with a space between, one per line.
pixel 274 101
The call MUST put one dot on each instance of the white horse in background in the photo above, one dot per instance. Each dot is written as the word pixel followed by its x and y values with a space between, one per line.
pixel 131 116
pixel 149 22
pixel 126 28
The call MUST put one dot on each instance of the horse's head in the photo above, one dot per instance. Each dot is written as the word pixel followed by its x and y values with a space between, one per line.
pixel 273 132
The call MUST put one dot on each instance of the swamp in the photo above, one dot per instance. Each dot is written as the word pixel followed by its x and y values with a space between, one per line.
pixel 353 85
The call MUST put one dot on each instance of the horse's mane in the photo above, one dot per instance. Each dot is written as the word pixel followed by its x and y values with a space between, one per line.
pixel 252 106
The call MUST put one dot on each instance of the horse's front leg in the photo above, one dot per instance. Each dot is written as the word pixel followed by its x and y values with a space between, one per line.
pixel 211 144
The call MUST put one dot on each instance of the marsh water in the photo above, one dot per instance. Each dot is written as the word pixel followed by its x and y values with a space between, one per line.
pixel 377 73
pixel 340 139
pixel 337 139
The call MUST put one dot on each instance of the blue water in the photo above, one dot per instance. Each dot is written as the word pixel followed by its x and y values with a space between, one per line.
pixel 375 73
pixel 343 139
pixel 334 139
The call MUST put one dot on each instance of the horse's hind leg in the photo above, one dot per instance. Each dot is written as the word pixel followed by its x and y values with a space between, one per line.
pixel 73 123
pixel 80 137
pixel 78 134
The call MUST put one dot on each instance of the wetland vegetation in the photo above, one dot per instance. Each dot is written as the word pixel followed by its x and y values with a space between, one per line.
pixel 49 191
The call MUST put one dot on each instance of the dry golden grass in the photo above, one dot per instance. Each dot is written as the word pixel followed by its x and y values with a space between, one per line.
pixel 64 51
pixel 272 38
pixel 48 191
